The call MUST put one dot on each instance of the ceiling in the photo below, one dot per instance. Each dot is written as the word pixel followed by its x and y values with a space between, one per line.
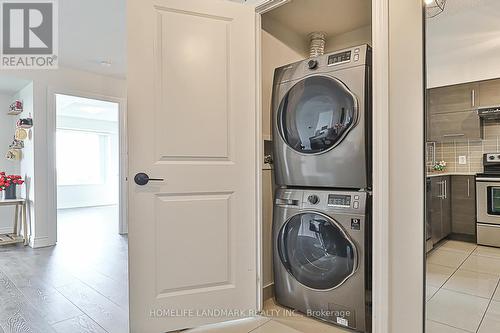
pixel 331 16
pixel 468 33
pixel 11 85
pixel 92 31
pixel 463 43
pixel 79 107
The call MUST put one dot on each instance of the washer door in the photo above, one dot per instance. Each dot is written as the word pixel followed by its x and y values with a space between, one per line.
pixel 316 251
pixel 316 114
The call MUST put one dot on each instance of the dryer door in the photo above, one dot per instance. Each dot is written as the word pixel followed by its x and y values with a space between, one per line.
pixel 316 251
pixel 316 114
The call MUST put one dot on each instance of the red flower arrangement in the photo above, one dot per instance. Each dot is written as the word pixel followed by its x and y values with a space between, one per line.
pixel 8 180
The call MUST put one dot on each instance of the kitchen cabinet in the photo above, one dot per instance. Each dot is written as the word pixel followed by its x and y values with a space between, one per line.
pixel 490 93
pixel 463 205
pixel 440 208
pixel 454 126
pixel 459 97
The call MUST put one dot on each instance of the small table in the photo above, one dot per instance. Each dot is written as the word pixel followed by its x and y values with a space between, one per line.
pixel 15 237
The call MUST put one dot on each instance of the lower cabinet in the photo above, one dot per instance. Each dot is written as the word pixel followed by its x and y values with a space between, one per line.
pixel 463 205
pixel 440 208
pixel 451 202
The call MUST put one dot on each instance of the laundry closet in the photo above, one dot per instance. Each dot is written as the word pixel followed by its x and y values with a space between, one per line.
pixel 298 31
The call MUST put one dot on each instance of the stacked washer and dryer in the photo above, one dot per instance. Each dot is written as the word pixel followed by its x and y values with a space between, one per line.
pixel 322 168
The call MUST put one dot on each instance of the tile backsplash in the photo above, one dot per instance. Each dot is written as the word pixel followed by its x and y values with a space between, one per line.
pixel 472 150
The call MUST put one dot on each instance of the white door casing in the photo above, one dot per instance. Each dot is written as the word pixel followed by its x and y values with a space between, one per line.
pixel 192 121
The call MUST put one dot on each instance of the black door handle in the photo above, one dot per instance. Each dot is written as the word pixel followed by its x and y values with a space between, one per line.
pixel 142 179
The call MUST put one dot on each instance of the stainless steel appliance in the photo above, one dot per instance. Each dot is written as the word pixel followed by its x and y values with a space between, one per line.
pixel 322 255
pixel 491 113
pixel 488 201
pixel 322 121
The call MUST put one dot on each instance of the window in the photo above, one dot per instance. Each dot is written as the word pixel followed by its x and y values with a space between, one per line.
pixel 81 157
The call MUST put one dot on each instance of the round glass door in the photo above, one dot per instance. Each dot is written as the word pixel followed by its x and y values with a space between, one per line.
pixel 316 114
pixel 316 251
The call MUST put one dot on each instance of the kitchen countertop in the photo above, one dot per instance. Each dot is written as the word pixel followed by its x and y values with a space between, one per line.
pixel 450 173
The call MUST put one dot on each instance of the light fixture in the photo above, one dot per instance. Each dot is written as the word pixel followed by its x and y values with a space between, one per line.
pixel 434 7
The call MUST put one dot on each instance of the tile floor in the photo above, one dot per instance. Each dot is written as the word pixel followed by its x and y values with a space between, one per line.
pixel 463 292
pixel 275 319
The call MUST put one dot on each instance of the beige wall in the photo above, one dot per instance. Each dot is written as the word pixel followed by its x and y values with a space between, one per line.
pixel 406 167
pixel 274 54
pixel 359 36
pixel 472 150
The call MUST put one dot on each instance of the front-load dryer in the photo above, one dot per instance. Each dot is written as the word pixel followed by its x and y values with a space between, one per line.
pixel 322 255
pixel 322 121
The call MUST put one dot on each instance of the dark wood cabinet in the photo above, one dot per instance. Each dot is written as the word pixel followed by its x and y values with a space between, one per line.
pixel 454 126
pixel 463 205
pixel 440 208
pixel 459 97
pixel 490 93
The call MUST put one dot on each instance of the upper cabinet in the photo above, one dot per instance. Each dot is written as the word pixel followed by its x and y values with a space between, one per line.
pixel 490 93
pixel 460 97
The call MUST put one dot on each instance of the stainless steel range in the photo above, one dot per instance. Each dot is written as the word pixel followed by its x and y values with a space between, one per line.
pixel 488 201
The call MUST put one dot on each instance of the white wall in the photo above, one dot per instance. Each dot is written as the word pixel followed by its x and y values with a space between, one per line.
pixel 62 80
pixel 27 164
pixel 405 168
pixel 73 196
pixel 7 129
pixel 463 44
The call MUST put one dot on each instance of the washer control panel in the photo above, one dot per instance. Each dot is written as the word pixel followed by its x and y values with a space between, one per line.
pixel 339 200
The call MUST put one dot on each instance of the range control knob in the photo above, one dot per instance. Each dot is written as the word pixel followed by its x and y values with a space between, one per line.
pixel 312 64
pixel 313 199
pixel 491 157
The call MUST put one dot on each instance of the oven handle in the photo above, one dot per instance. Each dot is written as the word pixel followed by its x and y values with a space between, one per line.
pixel 485 179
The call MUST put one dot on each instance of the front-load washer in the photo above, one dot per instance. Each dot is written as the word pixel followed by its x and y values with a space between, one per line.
pixel 322 255
pixel 321 116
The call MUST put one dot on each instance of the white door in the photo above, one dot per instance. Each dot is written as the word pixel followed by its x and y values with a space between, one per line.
pixel 192 121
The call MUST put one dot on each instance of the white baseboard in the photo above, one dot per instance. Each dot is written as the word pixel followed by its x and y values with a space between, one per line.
pixel 6 230
pixel 38 242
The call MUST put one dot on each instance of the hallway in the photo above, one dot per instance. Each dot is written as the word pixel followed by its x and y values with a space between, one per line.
pixel 80 285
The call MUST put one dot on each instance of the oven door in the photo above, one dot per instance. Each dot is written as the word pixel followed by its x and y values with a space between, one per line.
pixel 488 200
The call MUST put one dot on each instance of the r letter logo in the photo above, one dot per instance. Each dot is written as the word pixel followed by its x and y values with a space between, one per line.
pixel 29 34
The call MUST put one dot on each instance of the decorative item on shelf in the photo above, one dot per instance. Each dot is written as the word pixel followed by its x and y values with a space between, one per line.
pixel 16 144
pixel 25 123
pixel 13 154
pixel 434 7
pixel 8 184
pixel 440 166
pixel 21 133
pixel 16 108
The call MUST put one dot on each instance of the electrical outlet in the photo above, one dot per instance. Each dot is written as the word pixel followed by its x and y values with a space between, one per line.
pixel 462 160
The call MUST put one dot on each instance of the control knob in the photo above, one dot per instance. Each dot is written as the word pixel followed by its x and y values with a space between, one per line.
pixel 313 199
pixel 312 64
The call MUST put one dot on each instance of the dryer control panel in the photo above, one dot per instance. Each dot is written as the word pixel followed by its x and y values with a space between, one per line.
pixel 341 201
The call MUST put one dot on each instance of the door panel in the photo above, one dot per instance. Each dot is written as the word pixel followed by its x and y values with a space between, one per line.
pixel 463 205
pixel 194 85
pixel 436 193
pixel 192 122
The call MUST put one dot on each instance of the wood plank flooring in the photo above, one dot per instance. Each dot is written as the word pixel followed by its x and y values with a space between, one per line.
pixel 78 286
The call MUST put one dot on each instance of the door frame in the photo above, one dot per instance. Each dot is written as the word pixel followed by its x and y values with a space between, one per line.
pixel 52 91
pixel 381 158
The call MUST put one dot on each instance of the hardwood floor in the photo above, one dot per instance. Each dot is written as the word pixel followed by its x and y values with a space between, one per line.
pixel 78 286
